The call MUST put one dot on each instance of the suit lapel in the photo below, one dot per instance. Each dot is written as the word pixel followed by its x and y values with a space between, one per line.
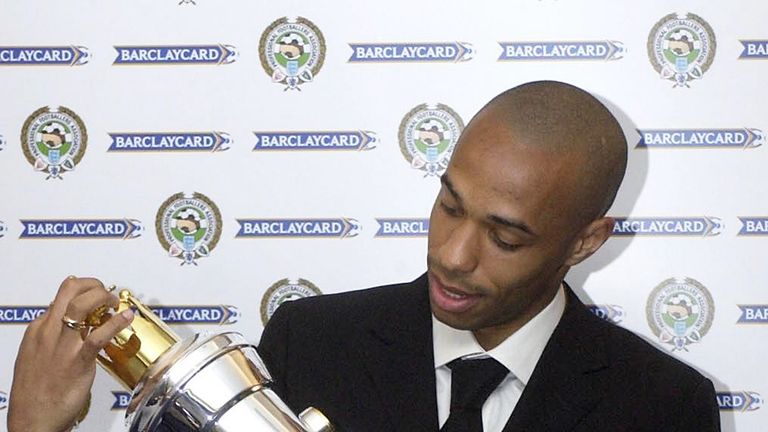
pixel 567 382
pixel 399 360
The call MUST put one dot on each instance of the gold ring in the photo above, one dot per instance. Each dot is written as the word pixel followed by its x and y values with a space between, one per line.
pixel 74 325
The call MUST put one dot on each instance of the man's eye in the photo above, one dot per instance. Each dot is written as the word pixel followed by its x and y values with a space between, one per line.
pixel 451 211
pixel 502 244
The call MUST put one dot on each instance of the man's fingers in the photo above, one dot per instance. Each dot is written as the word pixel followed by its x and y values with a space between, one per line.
pixel 100 337
pixel 81 306
pixel 70 288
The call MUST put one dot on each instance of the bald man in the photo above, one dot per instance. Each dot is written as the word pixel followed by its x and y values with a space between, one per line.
pixel 490 338
pixel 523 199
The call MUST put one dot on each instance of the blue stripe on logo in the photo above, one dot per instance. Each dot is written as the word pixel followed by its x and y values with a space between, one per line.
pixel 332 140
pixel 739 401
pixel 175 54
pixel 561 50
pixel 753 314
pixel 754 49
pixel 169 141
pixel 20 314
pixel 661 226
pixel 411 52
pixel 85 228
pixel 340 227
pixel 394 227
pixel 50 56
pixel 215 314
pixel 733 138
pixel 753 225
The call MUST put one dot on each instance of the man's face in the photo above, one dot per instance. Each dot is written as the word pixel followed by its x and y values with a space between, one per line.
pixel 500 230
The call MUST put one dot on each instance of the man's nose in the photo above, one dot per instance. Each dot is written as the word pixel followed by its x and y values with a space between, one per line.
pixel 461 250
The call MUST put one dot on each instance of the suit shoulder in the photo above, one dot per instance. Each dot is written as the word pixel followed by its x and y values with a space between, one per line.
pixel 634 351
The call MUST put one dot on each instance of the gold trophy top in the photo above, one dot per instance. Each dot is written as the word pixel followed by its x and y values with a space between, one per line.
pixel 133 350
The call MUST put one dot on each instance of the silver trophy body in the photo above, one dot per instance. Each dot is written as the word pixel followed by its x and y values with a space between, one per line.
pixel 206 383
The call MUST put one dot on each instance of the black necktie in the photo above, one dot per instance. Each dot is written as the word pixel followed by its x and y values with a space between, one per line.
pixel 472 381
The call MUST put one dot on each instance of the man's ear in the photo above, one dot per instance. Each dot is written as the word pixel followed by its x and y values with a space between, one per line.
pixel 590 239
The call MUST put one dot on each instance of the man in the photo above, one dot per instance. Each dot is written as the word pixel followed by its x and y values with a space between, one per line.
pixel 490 338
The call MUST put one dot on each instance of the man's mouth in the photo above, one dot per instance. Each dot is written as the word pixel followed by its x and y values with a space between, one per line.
pixel 450 298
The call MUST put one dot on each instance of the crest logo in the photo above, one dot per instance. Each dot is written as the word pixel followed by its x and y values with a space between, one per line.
pixel 428 135
pixel 393 227
pixel 338 140
pixel 672 226
pixel 740 401
pixel 680 312
pixel 753 225
pixel 282 291
pixel 119 229
pixel 54 140
pixel 48 56
pixel 200 314
pixel 217 54
pixel 295 228
pixel 188 226
pixel 561 50
pixel 612 313
pixel 681 48
pixel 292 51
pixel 169 141
pixel 411 52
pixel 713 138
pixel 20 314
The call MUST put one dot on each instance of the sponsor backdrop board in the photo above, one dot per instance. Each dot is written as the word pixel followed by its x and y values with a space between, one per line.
pixel 221 158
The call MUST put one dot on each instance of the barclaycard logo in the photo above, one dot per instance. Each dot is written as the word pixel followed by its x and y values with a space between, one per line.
pixel 169 141
pixel 561 50
pixel 216 54
pixel 667 226
pixel 753 225
pixel 742 138
pixel 753 314
pixel 49 56
pixel 3 400
pixel 200 314
pixel 333 140
pixel 394 227
pixel 2 229
pixel 612 313
pixel 411 52
pixel 122 399
pixel 754 49
pixel 2 143
pixel 84 228
pixel 197 314
pixel 20 314
pixel 338 227
pixel 739 401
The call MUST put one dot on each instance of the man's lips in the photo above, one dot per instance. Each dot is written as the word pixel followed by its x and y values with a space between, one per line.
pixel 449 298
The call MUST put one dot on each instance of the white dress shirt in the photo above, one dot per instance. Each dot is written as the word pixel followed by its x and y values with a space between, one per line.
pixel 519 353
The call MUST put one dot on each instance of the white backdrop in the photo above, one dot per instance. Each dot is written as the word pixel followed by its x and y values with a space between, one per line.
pixel 686 197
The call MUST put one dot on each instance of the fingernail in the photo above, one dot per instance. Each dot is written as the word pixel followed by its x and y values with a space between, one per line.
pixel 127 314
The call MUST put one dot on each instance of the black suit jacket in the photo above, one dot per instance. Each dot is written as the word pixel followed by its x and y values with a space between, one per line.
pixel 364 358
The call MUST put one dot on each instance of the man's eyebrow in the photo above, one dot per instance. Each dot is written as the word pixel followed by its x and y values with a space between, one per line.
pixel 512 223
pixel 446 181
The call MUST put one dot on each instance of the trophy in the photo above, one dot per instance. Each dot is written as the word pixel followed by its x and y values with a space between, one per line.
pixel 205 383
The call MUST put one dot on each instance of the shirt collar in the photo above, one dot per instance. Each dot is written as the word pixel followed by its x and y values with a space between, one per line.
pixel 519 352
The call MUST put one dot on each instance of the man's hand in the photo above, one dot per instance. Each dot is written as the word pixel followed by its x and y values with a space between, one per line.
pixel 56 365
